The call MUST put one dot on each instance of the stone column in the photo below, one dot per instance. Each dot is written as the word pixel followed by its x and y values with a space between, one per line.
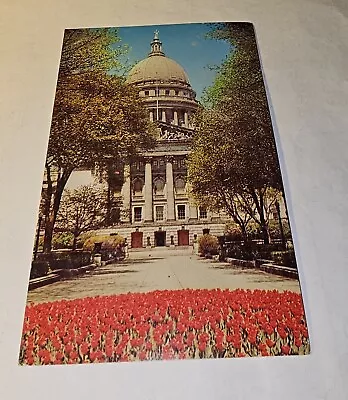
pixel 176 118
pixel 170 190
pixel 126 215
pixel 148 191
pixel 164 116
pixel 151 116
pixel 186 119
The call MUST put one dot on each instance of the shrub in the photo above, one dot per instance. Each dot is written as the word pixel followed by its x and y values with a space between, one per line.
pixel 62 240
pixel 109 243
pixel 83 238
pixel 253 251
pixel 38 269
pixel 242 252
pixel 286 258
pixel 208 244
pixel 233 233
pixel 111 246
pixel 65 259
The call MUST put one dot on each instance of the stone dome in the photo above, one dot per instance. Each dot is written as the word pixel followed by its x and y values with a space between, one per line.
pixel 157 68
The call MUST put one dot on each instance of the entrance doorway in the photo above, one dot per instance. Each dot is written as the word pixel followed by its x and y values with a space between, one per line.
pixel 160 238
pixel 137 240
pixel 183 237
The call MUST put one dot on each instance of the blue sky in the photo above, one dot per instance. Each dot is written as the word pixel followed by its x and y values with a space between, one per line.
pixel 184 43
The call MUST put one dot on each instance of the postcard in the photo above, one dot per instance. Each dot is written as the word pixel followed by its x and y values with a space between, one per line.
pixel 163 230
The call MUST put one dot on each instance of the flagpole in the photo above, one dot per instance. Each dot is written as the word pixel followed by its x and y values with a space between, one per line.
pixel 157 111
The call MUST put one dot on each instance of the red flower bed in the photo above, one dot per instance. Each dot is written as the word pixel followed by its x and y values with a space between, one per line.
pixel 165 325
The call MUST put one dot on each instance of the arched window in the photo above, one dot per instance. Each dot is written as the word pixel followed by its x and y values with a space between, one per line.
pixel 138 186
pixel 180 185
pixel 159 186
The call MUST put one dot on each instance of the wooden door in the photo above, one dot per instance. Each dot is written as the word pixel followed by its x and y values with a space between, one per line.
pixel 137 240
pixel 183 237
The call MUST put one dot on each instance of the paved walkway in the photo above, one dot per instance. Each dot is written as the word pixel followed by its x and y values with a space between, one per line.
pixel 160 269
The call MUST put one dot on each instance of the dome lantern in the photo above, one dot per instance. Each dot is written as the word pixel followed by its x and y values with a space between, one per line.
pixel 156 46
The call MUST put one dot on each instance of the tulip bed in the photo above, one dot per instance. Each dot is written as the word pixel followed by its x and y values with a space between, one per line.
pixel 180 324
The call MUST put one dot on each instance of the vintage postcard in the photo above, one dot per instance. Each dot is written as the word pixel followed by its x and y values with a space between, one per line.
pixel 163 231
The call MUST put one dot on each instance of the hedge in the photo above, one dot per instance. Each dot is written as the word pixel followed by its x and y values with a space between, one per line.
pixel 286 258
pixel 38 269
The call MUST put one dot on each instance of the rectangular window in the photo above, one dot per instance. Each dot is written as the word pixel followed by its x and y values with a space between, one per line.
pixel 137 214
pixel 167 92
pixel 159 213
pixel 146 92
pixel 202 213
pixel 181 212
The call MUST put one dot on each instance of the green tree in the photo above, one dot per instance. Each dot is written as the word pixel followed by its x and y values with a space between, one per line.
pixel 97 118
pixel 234 161
pixel 86 50
pixel 81 210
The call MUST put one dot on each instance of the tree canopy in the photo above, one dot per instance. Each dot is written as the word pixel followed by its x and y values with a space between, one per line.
pixel 86 50
pixel 234 161
pixel 81 210
pixel 97 118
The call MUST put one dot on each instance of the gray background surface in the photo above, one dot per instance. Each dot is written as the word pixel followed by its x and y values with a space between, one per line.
pixel 303 45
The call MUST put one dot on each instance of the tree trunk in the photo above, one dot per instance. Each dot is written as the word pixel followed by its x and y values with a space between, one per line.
pixel 244 232
pixel 74 242
pixel 232 210
pixel 286 206
pixel 47 212
pixel 264 226
pixel 108 204
pixel 259 203
pixel 49 225
pixel 264 230
pixel 51 220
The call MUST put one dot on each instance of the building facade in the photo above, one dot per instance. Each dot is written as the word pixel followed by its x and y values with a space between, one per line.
pixel 156 209
pixel 149 199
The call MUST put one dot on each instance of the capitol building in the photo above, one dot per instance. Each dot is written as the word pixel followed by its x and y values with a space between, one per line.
pixel 152 202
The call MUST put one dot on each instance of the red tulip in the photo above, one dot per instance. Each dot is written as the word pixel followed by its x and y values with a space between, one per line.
pixel 286 350
pixel 164 324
